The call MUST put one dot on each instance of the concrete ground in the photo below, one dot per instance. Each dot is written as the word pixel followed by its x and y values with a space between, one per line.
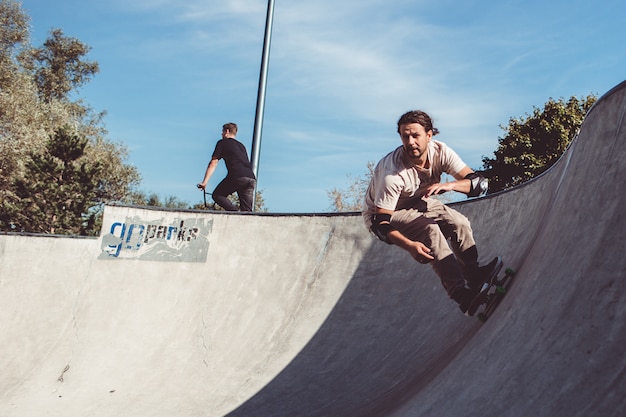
pixel 174 313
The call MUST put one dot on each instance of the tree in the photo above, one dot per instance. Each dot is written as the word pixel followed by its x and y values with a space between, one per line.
pixel 119 179
pixel 534 143
pixel 22 122
pixel 140 198
pixel 59 66
pixel 351 198
pixel 36 104
pixel 13 31
pixel 59 190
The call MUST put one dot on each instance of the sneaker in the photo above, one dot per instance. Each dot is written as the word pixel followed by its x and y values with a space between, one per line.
pixel 464 297
pixel 479 299
pixel 484 274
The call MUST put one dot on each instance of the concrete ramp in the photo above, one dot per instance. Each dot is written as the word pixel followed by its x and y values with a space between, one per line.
pixel 185 313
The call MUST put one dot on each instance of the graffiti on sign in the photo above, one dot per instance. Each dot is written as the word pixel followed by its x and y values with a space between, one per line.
pixel 181 240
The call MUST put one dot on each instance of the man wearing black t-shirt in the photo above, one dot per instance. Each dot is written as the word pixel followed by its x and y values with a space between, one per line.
pixel 240 177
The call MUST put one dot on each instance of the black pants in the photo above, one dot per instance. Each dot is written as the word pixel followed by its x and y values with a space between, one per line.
pixel 244 187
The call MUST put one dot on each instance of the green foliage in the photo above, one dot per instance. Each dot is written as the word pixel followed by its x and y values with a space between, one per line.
pixel 59 66
pixel 58 190
pixel 14 30
pixel 139 198
pixel 48 180
pixel 534 143
pixel 22 129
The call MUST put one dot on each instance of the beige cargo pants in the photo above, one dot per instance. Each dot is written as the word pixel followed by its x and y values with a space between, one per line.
pixel 434 224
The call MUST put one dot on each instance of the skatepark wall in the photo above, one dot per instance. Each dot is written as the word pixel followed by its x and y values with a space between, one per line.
pixel 193 313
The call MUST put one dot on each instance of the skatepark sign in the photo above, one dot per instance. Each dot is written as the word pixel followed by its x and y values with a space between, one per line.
pixel 146 235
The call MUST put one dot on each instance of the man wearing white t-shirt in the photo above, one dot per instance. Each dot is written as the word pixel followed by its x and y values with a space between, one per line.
pixel 399 209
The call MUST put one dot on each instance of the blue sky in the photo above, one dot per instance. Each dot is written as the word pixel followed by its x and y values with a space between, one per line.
pixel 341 73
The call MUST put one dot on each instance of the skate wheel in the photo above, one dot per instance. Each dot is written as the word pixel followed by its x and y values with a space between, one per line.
pixel 500 290
pixel 481 317
pixel 509 271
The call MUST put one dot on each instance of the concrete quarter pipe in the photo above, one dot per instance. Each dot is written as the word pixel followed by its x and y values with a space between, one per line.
pixel 185 313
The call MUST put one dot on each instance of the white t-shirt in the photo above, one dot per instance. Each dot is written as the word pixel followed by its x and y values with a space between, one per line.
pixel 396 182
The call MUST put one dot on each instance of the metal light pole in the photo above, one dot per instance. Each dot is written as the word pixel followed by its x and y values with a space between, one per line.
pixel 260 102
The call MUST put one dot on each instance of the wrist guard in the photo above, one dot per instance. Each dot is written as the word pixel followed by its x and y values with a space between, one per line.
pixel 381 225
pixel 478 185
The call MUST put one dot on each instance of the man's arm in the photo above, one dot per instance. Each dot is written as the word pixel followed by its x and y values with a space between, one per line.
pixel 467 182
pixel 417 250
pixel 210 169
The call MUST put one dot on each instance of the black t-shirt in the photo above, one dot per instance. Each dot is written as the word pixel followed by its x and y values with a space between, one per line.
pixel 236 157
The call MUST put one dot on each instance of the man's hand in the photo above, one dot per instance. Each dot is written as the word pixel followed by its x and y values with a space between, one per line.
pixel 420 252
pixel 439 188
pixel 461 184
pixel 201 186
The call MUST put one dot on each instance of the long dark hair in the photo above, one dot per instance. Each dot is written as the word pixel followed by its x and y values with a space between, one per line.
pixel 419 117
